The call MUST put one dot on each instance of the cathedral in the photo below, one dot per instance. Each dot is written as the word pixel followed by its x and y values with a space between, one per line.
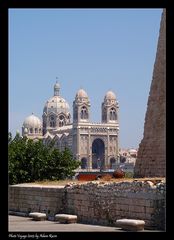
pixel 94 144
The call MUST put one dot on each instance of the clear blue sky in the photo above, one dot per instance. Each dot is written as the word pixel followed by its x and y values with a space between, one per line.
pixel 94 49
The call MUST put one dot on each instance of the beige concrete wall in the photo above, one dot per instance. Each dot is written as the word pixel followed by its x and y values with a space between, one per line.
pixel 94 202
pixel 151 159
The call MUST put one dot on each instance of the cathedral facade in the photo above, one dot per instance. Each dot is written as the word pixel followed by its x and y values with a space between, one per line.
pixel 94 144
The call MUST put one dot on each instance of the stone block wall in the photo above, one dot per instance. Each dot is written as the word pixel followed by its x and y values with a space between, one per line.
pixel 151 159
pixel 95 202
pixel 105 203
pixel 25 198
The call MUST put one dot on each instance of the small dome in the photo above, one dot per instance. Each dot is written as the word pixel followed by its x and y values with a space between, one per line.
pixel 110 95
pixel 32 122
pixel 81 94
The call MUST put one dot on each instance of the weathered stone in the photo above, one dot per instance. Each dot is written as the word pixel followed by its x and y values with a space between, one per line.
pixel 66 218
pixel 130 224
pixel 133 200
pixel 151 158
pixel 38 216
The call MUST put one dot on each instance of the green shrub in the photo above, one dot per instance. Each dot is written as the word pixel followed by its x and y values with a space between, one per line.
pixel 30 161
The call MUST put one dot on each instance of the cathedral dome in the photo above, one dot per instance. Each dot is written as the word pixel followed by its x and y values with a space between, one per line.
pixel 81 94
pixel 32 122
pixel 56 104
pixel 110 95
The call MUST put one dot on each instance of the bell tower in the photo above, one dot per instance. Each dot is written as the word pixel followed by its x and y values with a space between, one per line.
pixel 81 107
pixel 110 108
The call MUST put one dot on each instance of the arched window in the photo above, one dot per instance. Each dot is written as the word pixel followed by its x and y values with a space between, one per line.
pixel 52 121
pixel 61 121
pixel 84 113
pixel 113 114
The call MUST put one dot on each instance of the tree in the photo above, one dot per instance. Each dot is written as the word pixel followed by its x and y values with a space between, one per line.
pixel 63 163
pixel 32 160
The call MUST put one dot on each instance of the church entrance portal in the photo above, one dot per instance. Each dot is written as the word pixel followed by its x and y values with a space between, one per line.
pixel 98 151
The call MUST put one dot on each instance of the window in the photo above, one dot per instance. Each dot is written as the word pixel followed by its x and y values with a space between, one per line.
pixel 61 121
pixel 52 121
pixel 52 124
pixel 84 113
pixel 113 115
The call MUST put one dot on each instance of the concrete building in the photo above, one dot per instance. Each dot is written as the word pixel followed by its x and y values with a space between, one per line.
pixel 94 144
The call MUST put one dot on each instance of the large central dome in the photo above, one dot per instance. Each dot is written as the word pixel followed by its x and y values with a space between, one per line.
pixel 56 112
pixel 56 104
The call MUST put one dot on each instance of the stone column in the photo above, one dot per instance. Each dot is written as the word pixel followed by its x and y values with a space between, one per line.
pixel 117 147
pixel 107 156
pixel 89 150
pixel 78 142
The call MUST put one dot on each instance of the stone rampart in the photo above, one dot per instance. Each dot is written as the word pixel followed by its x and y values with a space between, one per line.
pixel 95 202
pixel 151 159
pixel 33 198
